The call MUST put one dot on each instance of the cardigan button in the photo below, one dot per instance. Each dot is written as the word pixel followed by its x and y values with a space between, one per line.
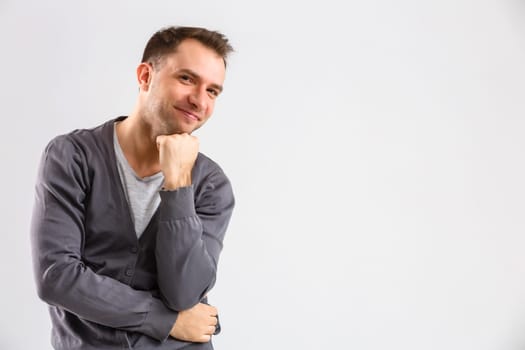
pixel 129 272
pixel 134 249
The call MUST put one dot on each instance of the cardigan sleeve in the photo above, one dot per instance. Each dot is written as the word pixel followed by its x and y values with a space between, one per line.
pixel 57 237
pixel 190 239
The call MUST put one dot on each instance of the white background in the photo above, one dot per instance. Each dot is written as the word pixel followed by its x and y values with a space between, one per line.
pixel 375 147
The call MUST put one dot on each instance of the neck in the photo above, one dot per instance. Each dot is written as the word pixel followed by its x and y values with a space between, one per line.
pixel 138 145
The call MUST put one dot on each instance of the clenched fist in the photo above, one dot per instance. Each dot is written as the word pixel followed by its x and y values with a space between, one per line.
pixel 196 324
pixel 177 154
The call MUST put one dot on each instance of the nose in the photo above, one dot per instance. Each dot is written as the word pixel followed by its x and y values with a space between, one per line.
pixel 197 99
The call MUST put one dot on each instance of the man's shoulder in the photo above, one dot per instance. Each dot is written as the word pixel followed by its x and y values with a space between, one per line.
pixel 209 176
pixel 207 166
pixel 85 138
pixel 89 146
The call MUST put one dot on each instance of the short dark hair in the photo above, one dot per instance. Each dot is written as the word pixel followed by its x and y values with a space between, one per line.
pixel 166 41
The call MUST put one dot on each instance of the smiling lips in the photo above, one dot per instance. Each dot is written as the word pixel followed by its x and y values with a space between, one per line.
pixel 188 115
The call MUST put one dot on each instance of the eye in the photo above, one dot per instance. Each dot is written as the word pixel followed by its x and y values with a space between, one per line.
pixel 213 92
pixel 185 78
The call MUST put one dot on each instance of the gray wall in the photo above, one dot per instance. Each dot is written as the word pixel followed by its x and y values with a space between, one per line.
pixel 376 150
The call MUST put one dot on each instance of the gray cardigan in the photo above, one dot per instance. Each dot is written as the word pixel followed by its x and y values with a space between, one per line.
pixel 106 288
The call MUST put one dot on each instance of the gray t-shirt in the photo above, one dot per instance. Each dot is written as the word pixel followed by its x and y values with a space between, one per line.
pixel 142 193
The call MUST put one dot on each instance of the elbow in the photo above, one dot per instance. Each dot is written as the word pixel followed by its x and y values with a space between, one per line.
pixel 45 291
pixel 180 303
pixel 184 298
pixel 48 285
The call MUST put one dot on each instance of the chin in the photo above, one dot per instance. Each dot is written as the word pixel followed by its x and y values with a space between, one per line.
pixel 179 131
pixel 168 129
pixel 187 129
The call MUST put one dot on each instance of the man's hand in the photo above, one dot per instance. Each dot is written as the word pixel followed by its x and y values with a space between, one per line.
pixel 177 154
pixel 196 324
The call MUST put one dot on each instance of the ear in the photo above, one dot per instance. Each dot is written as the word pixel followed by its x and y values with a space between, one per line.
pixel 144 72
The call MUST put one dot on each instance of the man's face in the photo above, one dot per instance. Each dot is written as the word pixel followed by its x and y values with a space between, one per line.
pixel 183 86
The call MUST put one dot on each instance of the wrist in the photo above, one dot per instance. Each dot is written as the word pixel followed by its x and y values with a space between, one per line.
pixel 175 182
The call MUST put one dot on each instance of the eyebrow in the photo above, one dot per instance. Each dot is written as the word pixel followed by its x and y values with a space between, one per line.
pixel 197 76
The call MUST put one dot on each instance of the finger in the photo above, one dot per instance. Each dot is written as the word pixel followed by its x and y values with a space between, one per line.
pixel 210 330
pixel 213 311
pixel 213 321
pixel 205 338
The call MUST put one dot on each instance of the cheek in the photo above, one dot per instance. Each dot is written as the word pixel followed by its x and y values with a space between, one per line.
pixel 211 107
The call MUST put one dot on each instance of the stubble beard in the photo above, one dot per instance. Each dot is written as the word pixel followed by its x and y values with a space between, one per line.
pixel 160 121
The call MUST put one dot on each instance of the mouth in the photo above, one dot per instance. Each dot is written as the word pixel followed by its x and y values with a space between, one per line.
pixel 188 114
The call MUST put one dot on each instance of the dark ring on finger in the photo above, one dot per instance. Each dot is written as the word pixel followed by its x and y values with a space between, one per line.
pixel 217 326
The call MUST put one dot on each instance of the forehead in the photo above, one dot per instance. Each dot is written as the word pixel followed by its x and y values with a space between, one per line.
pixel 194 56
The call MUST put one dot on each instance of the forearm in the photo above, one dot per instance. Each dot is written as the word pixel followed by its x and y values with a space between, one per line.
pixel 64 281
pixel 186 271
pixel 189 241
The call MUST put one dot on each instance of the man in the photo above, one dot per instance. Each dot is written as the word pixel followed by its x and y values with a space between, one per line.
pixel 129 217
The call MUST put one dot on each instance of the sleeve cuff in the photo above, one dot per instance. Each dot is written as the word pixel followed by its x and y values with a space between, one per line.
pixel 177 204
pixel 159 321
